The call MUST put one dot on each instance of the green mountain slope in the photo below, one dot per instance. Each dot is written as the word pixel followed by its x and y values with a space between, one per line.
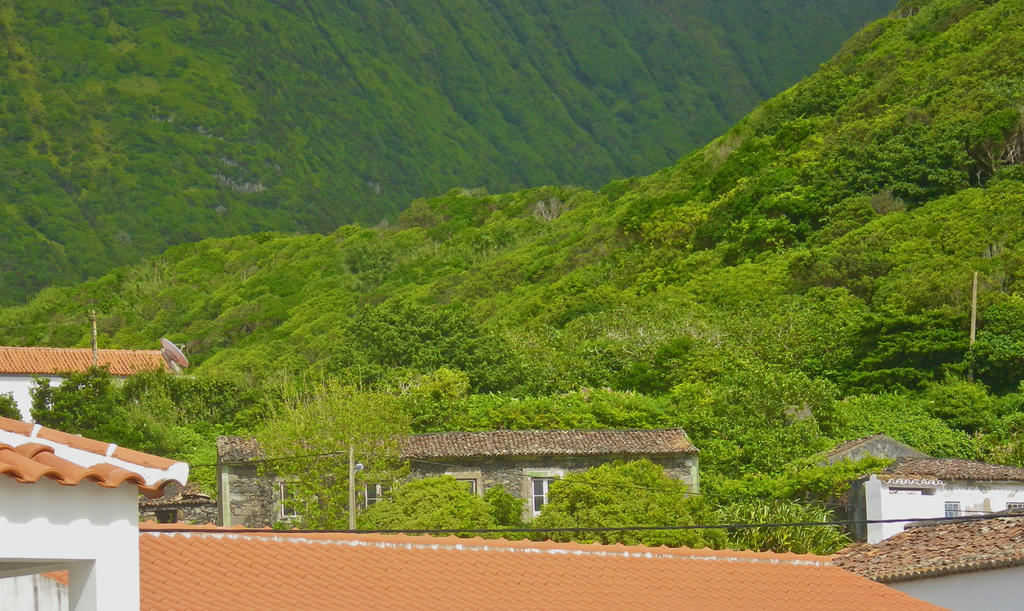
pixel 805 277
pixel 129 127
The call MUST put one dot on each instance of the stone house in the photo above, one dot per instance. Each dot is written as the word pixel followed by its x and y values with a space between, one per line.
pixel 179 504
pixel 523 462
pixel 879 446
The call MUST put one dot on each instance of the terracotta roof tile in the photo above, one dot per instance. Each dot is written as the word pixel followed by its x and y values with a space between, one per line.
pixel 30 462
pixel 53 361
pixel 73 441
pixel 284 570
pixel 141 458
pixel 30 452
pixel 542 443
pixel 952 469
pixel 939 548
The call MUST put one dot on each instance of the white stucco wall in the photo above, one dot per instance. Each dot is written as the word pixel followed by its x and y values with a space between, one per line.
pixel 918 499
pixel 993 589
pixel 19 386
pixel 33 593
pixel 90 530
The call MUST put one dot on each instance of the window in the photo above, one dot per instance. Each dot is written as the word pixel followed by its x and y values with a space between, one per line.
pixel 952 509
pixel 289 502
pixel 166 516
pixel 540 493
pixel 375 492
pixel 470 483
pixel 1015 507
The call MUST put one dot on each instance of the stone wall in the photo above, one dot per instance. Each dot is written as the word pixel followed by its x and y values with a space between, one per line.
pixel 515 474
pixel 253 497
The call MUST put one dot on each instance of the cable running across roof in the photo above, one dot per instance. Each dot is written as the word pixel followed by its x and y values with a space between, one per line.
pixel 582 529
pixel 344 454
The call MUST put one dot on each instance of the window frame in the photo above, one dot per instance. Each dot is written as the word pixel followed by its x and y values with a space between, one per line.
pixel 952 509
pixel 474 484
pixel 546 482
pixel 287 500
pixel 379 490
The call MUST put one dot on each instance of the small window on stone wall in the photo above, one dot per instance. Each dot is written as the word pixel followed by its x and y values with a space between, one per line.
pixel 166 516
pixel 375 492
pixel 540 493
pixel 470 483
pixel 288 501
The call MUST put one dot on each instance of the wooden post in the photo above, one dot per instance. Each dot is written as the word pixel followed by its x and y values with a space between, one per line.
pixel 95 349
pixel 351 487
pixel 974 326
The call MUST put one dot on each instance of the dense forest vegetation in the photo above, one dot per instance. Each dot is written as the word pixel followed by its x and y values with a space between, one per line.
pixel 127 127
pixel 802 280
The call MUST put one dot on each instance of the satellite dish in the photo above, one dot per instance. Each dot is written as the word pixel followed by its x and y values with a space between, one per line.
pixel 173 354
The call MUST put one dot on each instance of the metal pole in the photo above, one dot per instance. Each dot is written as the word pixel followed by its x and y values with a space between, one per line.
pixel 351 487
pixel 95 349
pixel 974 326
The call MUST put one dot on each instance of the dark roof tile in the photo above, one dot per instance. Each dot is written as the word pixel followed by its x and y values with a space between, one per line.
pixel 952 469
pixel 939 548
pixel 547 443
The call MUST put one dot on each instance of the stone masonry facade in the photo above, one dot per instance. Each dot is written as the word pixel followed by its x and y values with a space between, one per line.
pixel 513 459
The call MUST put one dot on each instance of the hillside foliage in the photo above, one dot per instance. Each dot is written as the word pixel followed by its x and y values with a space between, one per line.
pixel 802 280
pixel 127 127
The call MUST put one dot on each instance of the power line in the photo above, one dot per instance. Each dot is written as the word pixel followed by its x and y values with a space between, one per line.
pixel 344 453
pixel 586 529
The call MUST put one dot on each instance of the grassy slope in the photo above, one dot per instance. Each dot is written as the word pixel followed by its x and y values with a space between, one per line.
pixel 822 248
pixel 125 129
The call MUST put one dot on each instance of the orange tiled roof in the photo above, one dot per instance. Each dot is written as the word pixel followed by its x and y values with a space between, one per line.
pixel 939 548
pixel 28 454
pixel 222 569
pixel 42 361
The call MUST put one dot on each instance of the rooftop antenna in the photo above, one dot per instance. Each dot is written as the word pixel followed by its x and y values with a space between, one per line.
pixel 173 355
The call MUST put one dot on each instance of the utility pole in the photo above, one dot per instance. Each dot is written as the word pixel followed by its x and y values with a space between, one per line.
pixel 351 487
pixel 974 325
pixel 95 349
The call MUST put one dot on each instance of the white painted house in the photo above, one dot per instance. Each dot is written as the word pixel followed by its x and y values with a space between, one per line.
pixel 917 488
pixel 71 503
pixel 21 365
pixel 963 564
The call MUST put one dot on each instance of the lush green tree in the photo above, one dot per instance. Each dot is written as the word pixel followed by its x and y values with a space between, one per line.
pixel 905 419
pixel 635 493
pixel 315 428
pixel 8 407
pixel 90 403
pixel 798 539
pixel 999 351
pixel 430 503
pixel 506 509
pixel 805 480
pixel 84 403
